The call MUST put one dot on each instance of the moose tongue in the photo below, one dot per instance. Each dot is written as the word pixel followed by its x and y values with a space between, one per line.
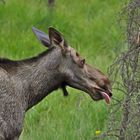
pixel 106 97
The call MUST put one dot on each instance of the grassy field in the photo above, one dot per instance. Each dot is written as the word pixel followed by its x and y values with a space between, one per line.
pixel 92 29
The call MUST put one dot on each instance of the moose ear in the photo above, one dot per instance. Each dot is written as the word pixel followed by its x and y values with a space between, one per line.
pixel 42 37
pixel 56 38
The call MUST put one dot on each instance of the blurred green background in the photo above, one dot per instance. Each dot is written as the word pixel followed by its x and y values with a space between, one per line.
pixel 92 28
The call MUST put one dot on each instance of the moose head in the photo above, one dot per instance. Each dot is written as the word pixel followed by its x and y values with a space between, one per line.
pixel 74 70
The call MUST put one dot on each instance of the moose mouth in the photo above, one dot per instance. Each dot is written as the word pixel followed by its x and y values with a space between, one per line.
pixel 100 94
pixel 104 95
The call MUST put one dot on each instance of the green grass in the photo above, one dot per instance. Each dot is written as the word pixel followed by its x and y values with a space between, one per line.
pixel 92 29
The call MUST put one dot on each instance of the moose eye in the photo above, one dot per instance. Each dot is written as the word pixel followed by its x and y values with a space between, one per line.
pixel 77 54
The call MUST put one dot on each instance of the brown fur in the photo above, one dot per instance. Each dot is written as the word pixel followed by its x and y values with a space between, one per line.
pixel 24 83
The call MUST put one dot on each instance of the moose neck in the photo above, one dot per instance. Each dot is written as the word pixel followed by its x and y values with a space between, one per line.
pixel 40 76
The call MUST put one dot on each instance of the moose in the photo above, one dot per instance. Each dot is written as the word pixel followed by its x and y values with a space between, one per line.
pixel 24 83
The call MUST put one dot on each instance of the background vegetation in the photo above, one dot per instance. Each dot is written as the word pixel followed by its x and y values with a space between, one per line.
pixel 92 29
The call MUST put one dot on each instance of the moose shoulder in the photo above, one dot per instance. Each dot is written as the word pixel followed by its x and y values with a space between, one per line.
pixel 24 83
